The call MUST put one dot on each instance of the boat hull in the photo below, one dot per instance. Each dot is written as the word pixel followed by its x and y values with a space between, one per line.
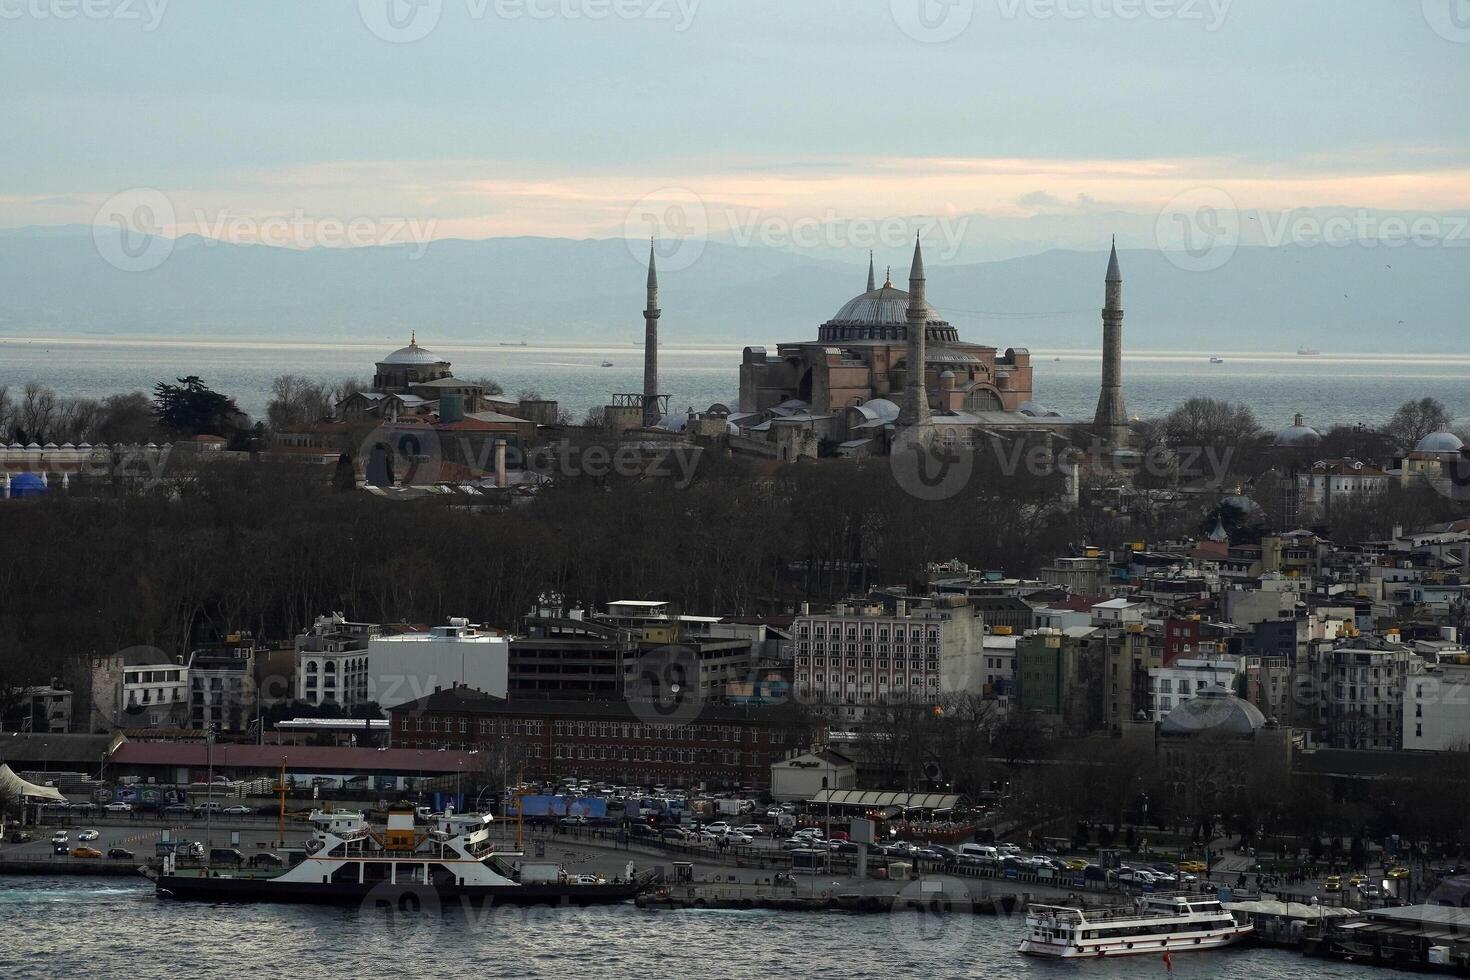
pixel 382 894
pixel 1153 946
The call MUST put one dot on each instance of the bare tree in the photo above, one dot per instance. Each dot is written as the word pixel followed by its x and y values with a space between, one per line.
pixel 1416 419
pixel 296 402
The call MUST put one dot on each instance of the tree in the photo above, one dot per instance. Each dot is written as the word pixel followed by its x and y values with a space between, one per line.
pixel 190 408
pixel 1416 419
pixel 126 418
pixel 297 402
pixel 1201 422
pixel 489 386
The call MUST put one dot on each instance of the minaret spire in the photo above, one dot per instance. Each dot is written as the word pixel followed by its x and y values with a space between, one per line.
pixel 915 409
pixel 1111 420
pixel 872 282
pixel 651 313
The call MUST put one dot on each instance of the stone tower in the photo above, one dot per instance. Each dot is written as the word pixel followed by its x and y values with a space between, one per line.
pixel 915 408
pixel 1111 421
pixel 651 413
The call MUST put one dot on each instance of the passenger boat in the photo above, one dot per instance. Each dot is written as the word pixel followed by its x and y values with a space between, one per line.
pixel 346 861
pixel 1217 360
pixel 1154 924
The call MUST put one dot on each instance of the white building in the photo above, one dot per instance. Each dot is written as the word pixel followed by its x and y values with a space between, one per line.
pixel 409 666
pixel 1118 612
pixel 912 650
pixel 999 653
pixel 1186 677
pixel 803 776
pixel 1437 707
pixel 332 661
pixel 155 689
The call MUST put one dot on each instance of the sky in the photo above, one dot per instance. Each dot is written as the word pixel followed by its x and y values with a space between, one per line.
pixel 827 124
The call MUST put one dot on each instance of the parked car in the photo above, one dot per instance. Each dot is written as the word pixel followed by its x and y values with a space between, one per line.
pixel 119 807
pixel 20 837
pixel 87 835
pixel 983 852
pixel 207 807
pixel 1076 864
pixel 945 853
pixel 176 809
pixel 1369 890
pixel 85 852
pixel 60 837
pixel 239 810
pixel 573 820
pixel 718 827
pixel 736 837
pixel 751 829
pixel 120 853
pixel 1194 867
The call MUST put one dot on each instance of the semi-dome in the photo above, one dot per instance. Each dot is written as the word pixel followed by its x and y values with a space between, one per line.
pixel 1213 711
pixel 1298 434
pixel 1439 442
pixel 880 409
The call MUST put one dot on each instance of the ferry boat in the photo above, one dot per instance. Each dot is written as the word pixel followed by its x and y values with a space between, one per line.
pixel 1217 360
pixel 346 861
pixel 1153 924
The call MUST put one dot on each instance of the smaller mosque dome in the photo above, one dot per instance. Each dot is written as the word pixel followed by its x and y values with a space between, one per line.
pixel 1439 442
pixel 1298 434
pixel 1214 711
pixel 411 355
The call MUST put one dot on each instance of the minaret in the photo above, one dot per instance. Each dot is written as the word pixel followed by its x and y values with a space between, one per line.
pixel 1111 421
pixel 651 414
pixel 872 282
pixel 915 410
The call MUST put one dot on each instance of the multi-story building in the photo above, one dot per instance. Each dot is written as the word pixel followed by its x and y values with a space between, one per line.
pixel 1437 706
pixel 38 710
pixel 1360 692
pixel 1275 597
pixel 1335 482
pixel 1059 673
pixel 999 651
pixel 570 656
pixel 1131 652
pixel 408 666
pixel 222 685
pixel 1187 677
pixel 332 661
pixel 889 648
pixel 615 741
pixel 1268 686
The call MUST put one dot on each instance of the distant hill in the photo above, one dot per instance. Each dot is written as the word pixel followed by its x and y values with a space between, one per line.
pixel 53 281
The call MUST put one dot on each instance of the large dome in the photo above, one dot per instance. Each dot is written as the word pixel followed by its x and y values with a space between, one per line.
pixel 1214 711
pixel 884 305
pixel 413 354
pixel 1439 442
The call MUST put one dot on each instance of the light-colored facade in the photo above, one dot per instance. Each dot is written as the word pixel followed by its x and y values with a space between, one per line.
pixel 222 689
pixel 154 686
pixel 912 650
pixel 409 666
pixel 1437 707
pixel 803 776
pixel 332 661
pixel 1187 677
pixel 1361 693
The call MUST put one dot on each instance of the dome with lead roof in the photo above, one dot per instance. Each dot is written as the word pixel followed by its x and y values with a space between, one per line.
pixel 1440 442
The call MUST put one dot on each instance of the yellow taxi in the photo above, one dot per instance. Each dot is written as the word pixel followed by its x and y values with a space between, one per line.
pixel 1398 874
pixel 1332 883
pixel 85 852
pixel 1356 880
pixel 1076 864
pixel 1193 867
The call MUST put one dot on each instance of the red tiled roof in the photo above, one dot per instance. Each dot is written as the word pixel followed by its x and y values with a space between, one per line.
pixel 315 758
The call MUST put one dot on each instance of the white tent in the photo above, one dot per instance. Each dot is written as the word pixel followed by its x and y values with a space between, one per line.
pixel 13 785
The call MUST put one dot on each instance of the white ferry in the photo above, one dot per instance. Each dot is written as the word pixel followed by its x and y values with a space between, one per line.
pixel 1153 924
pixel 346 860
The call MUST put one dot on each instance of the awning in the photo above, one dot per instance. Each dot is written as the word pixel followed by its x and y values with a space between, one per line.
pixel 872 800
pixel 13 785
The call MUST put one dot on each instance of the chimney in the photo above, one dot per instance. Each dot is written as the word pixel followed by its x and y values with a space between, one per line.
pixel 500 479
